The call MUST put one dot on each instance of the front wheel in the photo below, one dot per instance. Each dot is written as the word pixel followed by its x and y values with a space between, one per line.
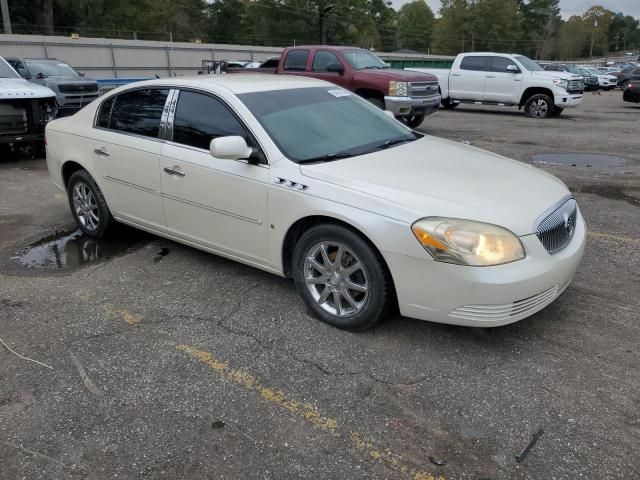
pixel 413 121
pixel 341 278
pixel 539 106
pixel 88 206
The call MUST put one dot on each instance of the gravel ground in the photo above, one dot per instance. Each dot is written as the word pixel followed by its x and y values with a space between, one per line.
pixel 169 362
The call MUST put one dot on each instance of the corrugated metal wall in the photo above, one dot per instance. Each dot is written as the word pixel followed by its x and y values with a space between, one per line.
pixel 107 58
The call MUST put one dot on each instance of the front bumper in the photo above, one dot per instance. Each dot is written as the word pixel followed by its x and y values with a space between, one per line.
pixel 485 296
pixel 409 106
pixel 567 100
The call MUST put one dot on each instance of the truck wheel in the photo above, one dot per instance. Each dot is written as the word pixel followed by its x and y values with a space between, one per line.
pixel 414 121
pixel 448 104
pixel 539 106
pixel 376 101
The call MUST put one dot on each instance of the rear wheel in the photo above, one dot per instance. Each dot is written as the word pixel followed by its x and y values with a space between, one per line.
pixel 88 206
pixel 341 278
pixel 448 104
pixel 539 106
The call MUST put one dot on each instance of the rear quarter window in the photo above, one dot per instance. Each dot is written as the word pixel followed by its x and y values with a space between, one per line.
pixel 477 63
pixel 296 60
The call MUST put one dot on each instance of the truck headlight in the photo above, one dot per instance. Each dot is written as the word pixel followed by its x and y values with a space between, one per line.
pixel 465 242
pixel 398 89
pixel 561 83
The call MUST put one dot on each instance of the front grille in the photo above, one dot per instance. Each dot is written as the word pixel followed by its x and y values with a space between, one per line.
pixel 556 229
pixel 423 89
pixel 576 86
pixel 78 87
pixel 519 308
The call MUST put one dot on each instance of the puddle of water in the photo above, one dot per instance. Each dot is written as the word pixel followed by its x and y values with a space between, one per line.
pixel 73 249
pixel 613 192
pixel 580 159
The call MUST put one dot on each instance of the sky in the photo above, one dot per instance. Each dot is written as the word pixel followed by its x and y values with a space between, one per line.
pixel 568 7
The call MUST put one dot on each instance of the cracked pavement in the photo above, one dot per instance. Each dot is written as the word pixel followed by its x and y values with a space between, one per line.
pixel 268 382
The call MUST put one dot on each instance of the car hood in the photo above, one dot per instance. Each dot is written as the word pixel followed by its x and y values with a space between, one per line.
pixel 437 177
pixel 20 88
pixel 398 75
pixel 70 79
pixel 562 75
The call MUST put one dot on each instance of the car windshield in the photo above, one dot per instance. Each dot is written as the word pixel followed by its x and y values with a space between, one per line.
pixel 50 68
pixel 6 71
pixel 575 70
pixel 360 59
pixel 324 123
pixel 593 71
pixel 528 64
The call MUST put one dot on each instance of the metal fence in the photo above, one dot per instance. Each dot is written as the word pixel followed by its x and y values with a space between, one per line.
pixel 119 58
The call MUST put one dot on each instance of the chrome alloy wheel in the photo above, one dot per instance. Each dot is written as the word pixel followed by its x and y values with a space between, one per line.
pixel 539 108
pixel 336 279
pixel 86 206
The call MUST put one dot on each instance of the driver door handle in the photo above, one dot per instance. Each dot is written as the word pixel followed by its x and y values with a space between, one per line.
pixel 174 171
pixel 102 152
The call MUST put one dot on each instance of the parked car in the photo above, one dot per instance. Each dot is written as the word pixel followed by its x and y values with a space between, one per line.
pixel 590 80
pixel 409 96
pixel 307 180
pixel 271 62
pixel 25 109
pixel 504 79
pixel 605 81
pixel 626 74
pixel 632 90
pixel 73 90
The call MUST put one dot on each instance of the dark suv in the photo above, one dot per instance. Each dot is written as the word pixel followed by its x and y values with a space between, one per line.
pixel 73 91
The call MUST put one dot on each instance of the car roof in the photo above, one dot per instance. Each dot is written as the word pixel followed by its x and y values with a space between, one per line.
pixel 237 83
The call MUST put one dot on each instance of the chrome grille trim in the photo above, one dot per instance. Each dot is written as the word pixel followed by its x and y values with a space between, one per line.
pixel 423 89
pixel 557 225
pixel 506 311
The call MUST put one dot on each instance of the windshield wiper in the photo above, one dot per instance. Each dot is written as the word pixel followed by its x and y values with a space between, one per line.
pixel 328 157
pixel 391 143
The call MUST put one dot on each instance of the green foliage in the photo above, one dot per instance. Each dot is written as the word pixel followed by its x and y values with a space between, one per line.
pixel 415 26
pixel 532 27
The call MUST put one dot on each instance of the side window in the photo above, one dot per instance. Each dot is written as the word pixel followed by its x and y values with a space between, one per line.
pixel 323 59
pixel 552 68
pixel 104 114
pixel 138 112
pixel 200 118
pixel 479 63
pixel 296 60
pixel 500 64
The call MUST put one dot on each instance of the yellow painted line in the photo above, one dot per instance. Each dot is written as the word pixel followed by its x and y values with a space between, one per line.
pixel 127 316
pixel 310 414
pixel 615 238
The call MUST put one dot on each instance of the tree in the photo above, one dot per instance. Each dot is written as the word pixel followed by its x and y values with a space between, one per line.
pixel 449 31
pixel 415 26
pixel 541 25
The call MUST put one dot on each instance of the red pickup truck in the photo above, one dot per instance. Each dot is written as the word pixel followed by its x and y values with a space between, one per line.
pixel 410 96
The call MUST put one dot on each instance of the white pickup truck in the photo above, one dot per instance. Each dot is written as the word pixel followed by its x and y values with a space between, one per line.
pixel 504 79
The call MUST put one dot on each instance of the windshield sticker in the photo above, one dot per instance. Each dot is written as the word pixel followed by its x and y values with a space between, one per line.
pixel 340 93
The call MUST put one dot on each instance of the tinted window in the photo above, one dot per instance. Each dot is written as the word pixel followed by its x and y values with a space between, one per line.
pixel 104 114
pixel 271 63
pixel 138 112
pixel 296 60
pixel 200 118
pixel 323 59
pixel 500 64
pixel 553 68
pixel 475 63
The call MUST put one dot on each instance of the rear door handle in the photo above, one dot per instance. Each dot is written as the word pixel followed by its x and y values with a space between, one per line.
pixel 455 74
pixel 102 152
pixel 491 76
pixel 174 171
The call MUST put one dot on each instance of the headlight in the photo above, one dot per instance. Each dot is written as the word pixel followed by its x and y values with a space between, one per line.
pixel 465 242
pixel 398 89
pixel 561 83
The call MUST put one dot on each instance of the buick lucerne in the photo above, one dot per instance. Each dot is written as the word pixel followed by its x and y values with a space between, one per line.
pixel 306 180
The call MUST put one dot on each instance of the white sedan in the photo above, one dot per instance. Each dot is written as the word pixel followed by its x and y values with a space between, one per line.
pixel 304 179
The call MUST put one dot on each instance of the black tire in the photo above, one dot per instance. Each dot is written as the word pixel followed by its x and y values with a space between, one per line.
pixel 539 106
pixel 92 205
pixel 623 85
pixel 375 304
pixel 556 111
pixel 378 102
pixel 448 104
pixel 414 121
